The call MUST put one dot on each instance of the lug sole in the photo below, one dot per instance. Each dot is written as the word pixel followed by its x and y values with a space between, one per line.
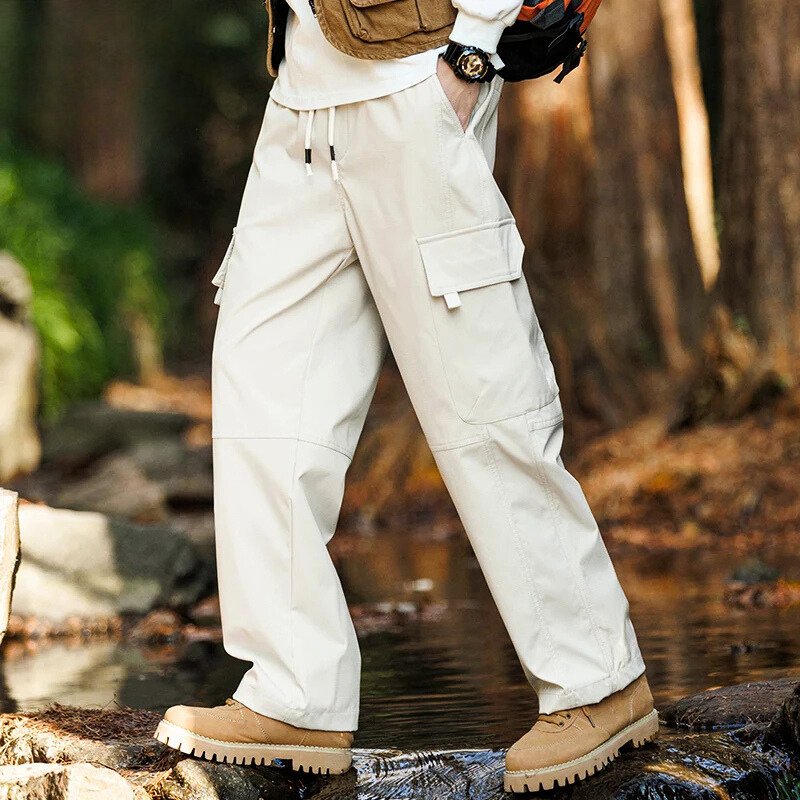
pixel 537 780
pixel 318 760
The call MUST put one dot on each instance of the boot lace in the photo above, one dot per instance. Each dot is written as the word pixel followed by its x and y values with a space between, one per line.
pixel 559 719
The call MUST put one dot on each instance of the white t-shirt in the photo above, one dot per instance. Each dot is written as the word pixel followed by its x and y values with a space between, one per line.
pixel 314 74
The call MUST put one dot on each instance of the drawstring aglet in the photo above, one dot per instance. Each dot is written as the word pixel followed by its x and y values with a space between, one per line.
pixel 331 129
pixel 334 165
pixel 309 171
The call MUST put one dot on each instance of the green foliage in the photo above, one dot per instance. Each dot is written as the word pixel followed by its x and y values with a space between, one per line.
pixel 92 267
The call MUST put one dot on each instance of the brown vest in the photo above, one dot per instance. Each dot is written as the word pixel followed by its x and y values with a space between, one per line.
pixel 373 29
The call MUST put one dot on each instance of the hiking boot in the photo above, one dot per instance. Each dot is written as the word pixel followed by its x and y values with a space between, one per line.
pixel 566 746
pixel 236 735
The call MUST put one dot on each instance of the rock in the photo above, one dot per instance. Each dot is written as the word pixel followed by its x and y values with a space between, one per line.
pixel 754 571
pixel 85 564
pixel 117 486
pixel 62 782
pixel 119 739
pixel 161 625
pixel 90 430
pixel 785 727
pixel 19 365
pixel 202 780
pixel 206 612
pixel 9 554
pixel 183 473
pixel 744 763
pixel 730 707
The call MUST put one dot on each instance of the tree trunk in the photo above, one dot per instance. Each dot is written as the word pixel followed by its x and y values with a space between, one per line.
pixel 644 252
pixel 89 87
pixel 598 172
pixel 760 172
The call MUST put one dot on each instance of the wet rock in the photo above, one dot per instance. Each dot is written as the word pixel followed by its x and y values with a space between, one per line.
pixel 184 474
pixel 751 759
pixel 731 706
pixel 785 726
pixel 85 564
pixel 91 430
pixel 202 780
pixel 117 486
pixel 778 594
pixel 207 611
pixel 19 365
pixel 63 782
pixel 754 571
pixel 162 625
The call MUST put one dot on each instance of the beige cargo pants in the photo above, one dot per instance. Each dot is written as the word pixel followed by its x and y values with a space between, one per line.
pixel 404 237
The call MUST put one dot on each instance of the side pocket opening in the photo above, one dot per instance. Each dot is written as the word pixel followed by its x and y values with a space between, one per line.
pixel 219 278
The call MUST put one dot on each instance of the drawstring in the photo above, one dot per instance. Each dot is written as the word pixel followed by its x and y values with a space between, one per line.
pixel 307 144
pixel 331 123
pixel 309 129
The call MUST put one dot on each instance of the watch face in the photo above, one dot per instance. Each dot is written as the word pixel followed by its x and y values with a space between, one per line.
pixel 472 65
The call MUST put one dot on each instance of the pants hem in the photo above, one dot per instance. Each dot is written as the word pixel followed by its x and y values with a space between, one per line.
pixel 551 700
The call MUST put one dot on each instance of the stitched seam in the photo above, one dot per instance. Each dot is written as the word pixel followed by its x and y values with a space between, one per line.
pixel 546 423
pixel 602 681
pixel 506 276
pixel 444 185
pixel 577 575
pixel 294 473
pixel 537 601
pixel 256 744
pixel 483 226
pixel 305 439
pixel 440 448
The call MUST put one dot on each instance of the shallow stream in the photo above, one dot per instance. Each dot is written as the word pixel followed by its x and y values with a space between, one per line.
pixel 448 677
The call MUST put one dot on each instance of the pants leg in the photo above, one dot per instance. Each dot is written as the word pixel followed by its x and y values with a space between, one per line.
pixel 442 255
pixel 296 357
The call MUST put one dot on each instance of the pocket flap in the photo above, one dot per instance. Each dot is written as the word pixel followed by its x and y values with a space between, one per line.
pixel 457 261
pixel 369 3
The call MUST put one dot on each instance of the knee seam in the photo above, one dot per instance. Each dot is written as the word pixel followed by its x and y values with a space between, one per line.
pixel 304 439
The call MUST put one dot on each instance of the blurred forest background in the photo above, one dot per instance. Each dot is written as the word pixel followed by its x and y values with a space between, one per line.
pixel 658 192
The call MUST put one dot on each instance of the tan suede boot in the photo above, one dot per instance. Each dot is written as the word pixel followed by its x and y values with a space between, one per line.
pixel 236 735
pixel 569 745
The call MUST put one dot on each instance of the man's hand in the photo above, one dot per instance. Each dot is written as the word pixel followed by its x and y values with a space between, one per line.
pixel 462 95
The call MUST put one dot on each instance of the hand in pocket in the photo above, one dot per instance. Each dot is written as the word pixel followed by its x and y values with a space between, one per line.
pixel 463 96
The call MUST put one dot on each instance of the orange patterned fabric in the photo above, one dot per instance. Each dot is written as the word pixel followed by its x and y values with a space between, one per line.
pixel 587 7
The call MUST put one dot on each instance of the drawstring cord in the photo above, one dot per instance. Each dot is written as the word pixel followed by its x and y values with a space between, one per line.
pixel 307 143
pixel 331 123
pixel 309 129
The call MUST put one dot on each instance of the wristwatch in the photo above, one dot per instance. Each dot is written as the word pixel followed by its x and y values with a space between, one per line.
pixel 469 63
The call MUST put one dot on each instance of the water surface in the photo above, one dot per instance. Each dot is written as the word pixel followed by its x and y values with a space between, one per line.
pixel 448 678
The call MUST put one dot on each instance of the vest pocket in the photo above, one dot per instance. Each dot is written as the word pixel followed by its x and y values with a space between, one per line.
pixel 382 20
pixel 493 353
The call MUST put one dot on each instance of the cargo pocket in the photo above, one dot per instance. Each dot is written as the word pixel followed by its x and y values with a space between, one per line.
pixel 493 353
pixel 219 279
pixel 382 20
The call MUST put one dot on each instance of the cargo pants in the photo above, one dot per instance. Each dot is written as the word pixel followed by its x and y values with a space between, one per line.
pixel 370 224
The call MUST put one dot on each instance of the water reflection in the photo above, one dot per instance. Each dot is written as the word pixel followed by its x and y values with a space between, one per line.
pixel 450 681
